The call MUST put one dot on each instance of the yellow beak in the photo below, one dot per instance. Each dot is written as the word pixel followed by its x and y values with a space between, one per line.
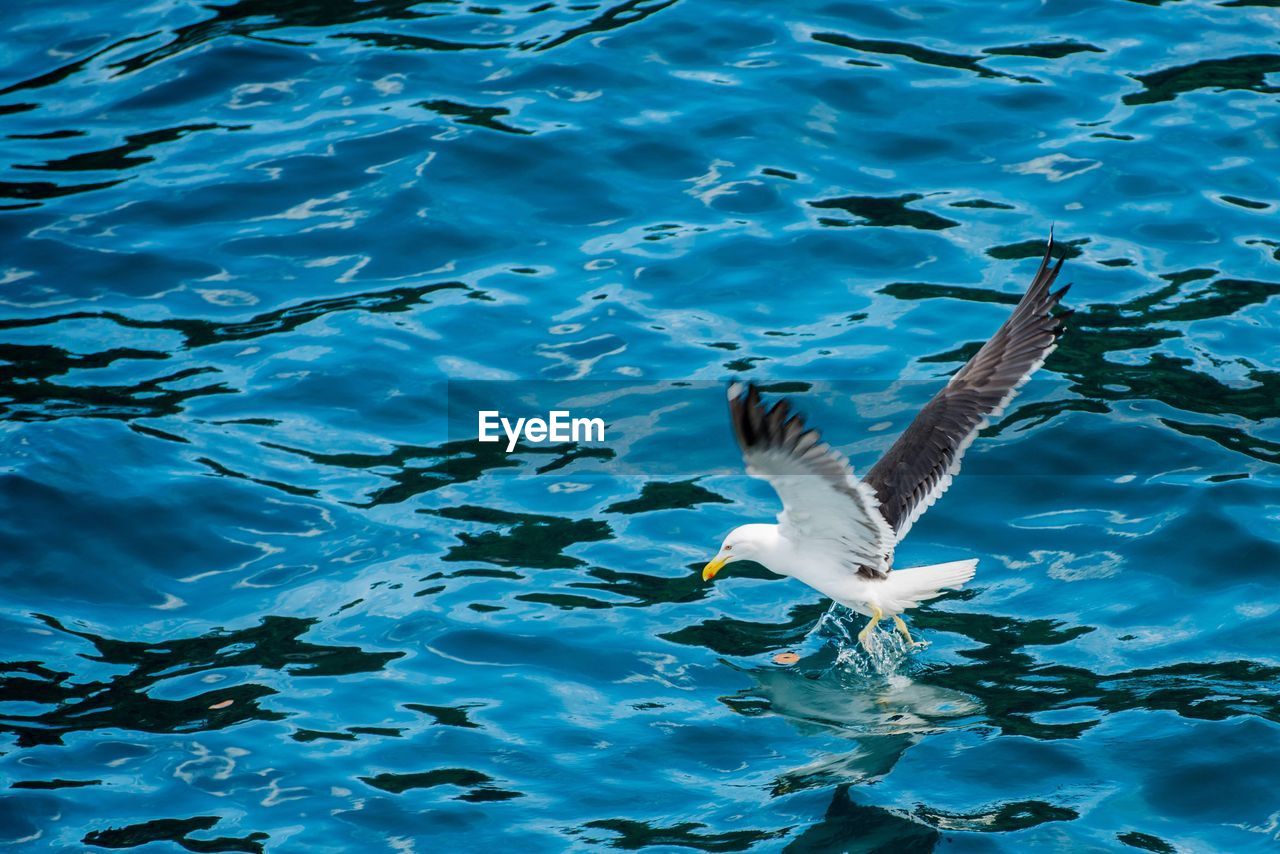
pixel 709 571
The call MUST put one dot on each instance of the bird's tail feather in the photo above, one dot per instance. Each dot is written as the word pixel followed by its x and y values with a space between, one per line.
pixel 907 588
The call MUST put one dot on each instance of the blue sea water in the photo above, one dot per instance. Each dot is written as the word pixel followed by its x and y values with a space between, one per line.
pixel 260 595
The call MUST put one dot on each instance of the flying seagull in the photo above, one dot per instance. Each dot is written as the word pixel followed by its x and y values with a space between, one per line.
pixel 837 533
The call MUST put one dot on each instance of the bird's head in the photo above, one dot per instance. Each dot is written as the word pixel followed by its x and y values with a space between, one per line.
pixel 746 542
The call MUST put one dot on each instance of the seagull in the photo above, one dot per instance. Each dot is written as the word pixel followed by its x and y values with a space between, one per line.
pixel 837 533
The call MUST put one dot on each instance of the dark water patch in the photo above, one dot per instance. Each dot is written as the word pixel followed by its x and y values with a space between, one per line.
pixel 1117 262
pixel 460 461
pixel 54 784
pixel 565 455
pixel 1198 690
pixel 384 731
pixel 564 601
pixel 287 488
pixel 779 173
pixel 479 786
pixel 875 828
pixel 1231 438
pixel 126 701
pixel 351 733
pixel 1027 416
pixel 527 539
pixel 156 433
pixel 448 715
pixel 468 114
pixel 430 591
pixel 1143 322
pixel 1044 50
pixel 886 211
pixel 1035 249
pixel 57 75
pixel 917 53
pixel 612 18
pixel 1013 688
pixel 646 590
pixel 926 290
pixel 53 134
pixel 45 401
pixel 1005 818
pixel 1248 204
pixel 1137 839
pixel 126 155
pixel 635 835
pixel 485 572
pixel 667 495
pixel 785 387
pixel 1273 244
pixel 28 363
pixel 177 831
pixel 747 363
pixel 1237 72
pixel 252 19
pixel 873 759
pixel 981 204
pixel 307 736
pixel 731 636
pixel 201 333
pixel 669 230
pixel 1220 298
pixel 39 191
pixel 408 41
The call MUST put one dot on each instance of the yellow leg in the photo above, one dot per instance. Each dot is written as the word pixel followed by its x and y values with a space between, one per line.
pixel 864 636
pixel 902 630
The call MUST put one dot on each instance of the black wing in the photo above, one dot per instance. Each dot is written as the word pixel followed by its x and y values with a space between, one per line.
pixel 919 466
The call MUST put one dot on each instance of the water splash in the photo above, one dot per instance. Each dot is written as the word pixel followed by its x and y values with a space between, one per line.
pixel 889 654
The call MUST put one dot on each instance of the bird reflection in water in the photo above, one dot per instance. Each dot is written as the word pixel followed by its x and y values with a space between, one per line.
pixel 869 699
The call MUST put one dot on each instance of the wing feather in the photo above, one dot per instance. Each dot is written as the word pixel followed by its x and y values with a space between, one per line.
pixel 822 500
pixel 919 466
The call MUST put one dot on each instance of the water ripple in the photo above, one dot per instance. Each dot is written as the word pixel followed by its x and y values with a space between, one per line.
pixel 263 593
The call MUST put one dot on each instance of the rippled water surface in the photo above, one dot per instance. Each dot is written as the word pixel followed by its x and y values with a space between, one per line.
pixel 258 596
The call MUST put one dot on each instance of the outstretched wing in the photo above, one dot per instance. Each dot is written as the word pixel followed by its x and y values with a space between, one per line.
pixel 919 466
pixel 823 503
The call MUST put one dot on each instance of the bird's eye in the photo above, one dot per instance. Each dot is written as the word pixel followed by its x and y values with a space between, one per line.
pixel 728 548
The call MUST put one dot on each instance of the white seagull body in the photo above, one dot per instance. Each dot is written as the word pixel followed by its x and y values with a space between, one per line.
pixel 837 533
